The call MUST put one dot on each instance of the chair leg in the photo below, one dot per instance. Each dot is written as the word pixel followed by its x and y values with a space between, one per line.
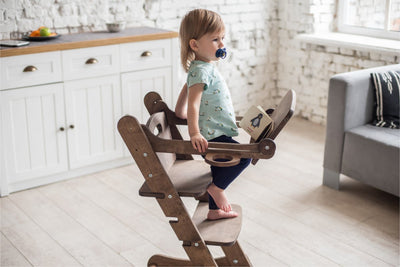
pixel 223 261
pixel 331 179
pixel 235 256
pixel 199 254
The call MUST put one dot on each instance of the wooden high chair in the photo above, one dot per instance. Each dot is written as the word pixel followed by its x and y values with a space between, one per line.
pixel 170 172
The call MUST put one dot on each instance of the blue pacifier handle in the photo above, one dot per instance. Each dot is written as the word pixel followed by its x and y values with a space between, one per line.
pixel 221 52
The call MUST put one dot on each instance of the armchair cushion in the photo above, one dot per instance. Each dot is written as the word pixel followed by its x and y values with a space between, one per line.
pixel 387 98
pixel 371 155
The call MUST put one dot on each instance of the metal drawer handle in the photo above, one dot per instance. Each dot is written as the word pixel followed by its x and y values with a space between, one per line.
pixel 30 68
pixel 91 61
pixel 62 129
pixel 146 54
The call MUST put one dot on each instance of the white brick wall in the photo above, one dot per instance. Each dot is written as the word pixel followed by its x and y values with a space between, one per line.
pixel 250 32
pixel 306 67
pixel 264 61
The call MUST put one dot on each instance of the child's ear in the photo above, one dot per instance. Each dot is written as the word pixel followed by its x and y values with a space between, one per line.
pixel 193 44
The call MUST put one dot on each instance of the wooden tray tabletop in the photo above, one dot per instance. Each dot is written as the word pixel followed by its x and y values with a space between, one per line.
pixel 89 39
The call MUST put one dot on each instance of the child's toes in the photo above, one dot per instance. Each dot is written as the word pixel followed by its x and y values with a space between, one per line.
pixel 227 208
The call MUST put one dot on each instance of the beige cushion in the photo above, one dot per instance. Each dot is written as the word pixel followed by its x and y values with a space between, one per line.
pixel 190 177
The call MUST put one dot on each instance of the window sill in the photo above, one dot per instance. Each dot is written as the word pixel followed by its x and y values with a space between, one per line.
pixel 351 41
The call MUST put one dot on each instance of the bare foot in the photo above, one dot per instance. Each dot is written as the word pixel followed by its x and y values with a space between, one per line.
pixel 220 214
pixel 219 197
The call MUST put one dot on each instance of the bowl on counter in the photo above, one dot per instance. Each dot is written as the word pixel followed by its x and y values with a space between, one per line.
pixel 116 26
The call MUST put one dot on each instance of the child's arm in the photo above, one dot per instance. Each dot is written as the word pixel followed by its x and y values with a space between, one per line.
pixel 181 104
pixel 194 97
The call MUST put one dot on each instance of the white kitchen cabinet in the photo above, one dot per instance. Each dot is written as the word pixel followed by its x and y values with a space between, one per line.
pixel 93 108
pixel 34 132
pixel 59 110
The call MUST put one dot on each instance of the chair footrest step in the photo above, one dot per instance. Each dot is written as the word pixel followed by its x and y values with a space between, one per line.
pixel 145 191
pixel 223 232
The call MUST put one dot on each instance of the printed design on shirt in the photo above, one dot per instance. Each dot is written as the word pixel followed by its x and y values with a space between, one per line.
pixel 216 115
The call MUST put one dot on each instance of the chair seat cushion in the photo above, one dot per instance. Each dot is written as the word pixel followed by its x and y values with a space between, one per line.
pixel 387 136
pixel 371 155
pixel 190 177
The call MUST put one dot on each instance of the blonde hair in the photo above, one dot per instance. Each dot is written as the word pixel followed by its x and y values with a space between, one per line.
pixel 194 25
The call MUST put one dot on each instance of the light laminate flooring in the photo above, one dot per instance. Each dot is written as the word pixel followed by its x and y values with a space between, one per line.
pixel 290 219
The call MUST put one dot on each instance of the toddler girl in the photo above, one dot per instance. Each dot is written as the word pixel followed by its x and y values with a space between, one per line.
pixel 206 102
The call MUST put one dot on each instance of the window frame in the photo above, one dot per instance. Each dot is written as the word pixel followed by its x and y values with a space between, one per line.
pixel 360 30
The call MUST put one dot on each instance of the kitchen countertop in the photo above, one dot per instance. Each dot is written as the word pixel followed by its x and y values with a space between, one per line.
pixel 89 39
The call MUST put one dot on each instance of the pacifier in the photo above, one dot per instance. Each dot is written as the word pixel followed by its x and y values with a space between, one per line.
pixel 221 52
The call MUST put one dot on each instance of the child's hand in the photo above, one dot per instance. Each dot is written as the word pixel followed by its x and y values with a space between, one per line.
pixel 199 142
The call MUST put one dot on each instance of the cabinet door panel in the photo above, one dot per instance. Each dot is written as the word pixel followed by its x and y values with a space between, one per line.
pixel 33 144
pixel 35 129
pixel 19 135
pixel 93 108
pixel 137 84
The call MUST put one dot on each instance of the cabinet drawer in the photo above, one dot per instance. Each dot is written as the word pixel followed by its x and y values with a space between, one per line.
pixel 145 55
pixel 90 62
pixel 27 70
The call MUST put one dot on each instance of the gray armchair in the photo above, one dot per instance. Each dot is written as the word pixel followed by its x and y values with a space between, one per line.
pixel 353 146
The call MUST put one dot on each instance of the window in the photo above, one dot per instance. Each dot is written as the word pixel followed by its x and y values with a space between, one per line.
pixel 379 18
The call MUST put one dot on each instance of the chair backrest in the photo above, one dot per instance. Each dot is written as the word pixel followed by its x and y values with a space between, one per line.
pixel 283 112
pixel 159 121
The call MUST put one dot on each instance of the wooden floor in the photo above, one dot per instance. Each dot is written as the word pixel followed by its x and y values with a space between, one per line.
pixel 289 217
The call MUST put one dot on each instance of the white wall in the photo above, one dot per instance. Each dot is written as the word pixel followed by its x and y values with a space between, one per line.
pixel 265 58
pixel 306 67
pixel 250 69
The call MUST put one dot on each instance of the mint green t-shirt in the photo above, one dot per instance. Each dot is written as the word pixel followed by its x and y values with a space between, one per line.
pixel 216 114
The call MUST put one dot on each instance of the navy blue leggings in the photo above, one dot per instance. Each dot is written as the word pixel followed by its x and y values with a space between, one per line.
pixel 224 176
